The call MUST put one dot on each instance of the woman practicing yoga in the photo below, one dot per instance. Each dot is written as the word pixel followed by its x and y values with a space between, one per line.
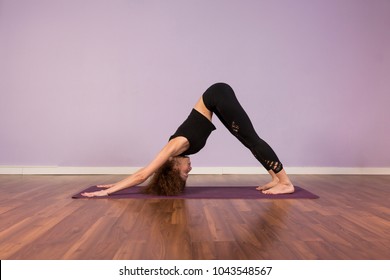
pixel 171 166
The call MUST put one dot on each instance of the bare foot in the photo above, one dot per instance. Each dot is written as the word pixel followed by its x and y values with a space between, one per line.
pixel 280 188
pixel 269 185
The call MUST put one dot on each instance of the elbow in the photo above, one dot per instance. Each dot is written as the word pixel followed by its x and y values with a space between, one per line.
pixel 140 177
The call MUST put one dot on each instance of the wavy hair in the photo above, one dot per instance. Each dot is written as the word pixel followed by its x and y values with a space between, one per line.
pixel 166 181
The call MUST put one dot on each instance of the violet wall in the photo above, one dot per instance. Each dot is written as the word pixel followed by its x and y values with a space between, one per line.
pixel 105 83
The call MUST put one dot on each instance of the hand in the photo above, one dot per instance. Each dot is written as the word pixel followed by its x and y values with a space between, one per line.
pixel 98 193
pixel 105 186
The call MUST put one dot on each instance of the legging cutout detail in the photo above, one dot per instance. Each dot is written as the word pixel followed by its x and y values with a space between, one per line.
pixel 222 101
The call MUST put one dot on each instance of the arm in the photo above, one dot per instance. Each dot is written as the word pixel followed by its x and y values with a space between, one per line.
pixel 174 147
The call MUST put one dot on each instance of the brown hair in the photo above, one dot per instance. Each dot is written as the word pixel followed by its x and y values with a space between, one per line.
pixel 166 181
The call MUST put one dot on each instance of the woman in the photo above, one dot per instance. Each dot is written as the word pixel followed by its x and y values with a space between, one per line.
pixel 171 166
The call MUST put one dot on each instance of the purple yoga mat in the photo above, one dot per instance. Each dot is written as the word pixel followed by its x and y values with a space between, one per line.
pixel 204 193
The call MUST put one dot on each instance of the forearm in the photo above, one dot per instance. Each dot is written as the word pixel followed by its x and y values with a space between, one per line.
pixel 131 181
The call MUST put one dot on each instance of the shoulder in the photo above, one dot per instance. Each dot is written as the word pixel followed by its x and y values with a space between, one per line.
pixel 173 148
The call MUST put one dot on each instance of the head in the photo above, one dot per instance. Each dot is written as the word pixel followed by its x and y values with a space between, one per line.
pixel 170 179
pixel 183 165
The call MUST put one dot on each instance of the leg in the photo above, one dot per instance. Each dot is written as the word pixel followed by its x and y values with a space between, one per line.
pixel 221 99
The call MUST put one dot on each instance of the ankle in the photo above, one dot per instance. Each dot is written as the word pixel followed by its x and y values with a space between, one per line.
pixel 286 183
pixel 273 176
pixel 275 179
pixel 283 177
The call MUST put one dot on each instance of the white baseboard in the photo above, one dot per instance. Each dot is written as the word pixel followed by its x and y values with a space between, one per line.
pixel 63 170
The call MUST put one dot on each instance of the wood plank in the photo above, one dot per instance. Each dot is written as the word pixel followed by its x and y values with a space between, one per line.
pixel 39 220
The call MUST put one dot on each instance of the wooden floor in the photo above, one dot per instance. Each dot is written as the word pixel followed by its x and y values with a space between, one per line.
pixel 39 220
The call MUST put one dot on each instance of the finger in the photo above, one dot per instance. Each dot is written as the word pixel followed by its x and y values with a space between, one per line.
pixel 87 194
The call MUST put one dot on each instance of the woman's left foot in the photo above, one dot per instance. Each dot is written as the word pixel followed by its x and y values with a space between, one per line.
pixel 280 188
pixel 268 185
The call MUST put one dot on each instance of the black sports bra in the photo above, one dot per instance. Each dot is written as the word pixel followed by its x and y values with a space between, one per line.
pixel 196 128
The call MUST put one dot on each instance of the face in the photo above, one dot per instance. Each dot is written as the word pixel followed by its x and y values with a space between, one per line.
pixel 183 164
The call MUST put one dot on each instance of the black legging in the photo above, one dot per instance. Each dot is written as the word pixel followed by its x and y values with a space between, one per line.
pixel 221 100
